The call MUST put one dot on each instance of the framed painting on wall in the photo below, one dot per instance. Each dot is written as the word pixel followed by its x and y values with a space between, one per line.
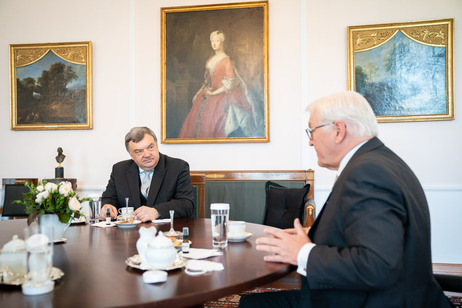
pixel 51 86
pixel 214 73
pixel 405 70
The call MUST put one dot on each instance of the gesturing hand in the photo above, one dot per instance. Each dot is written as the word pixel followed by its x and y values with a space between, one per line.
pixel 284 246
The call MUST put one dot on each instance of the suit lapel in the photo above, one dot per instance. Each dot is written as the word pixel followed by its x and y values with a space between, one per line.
pixel 133 179
pixel 157 178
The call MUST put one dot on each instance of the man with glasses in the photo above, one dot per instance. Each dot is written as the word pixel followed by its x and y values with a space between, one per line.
pixel 154 183
pixel 370 244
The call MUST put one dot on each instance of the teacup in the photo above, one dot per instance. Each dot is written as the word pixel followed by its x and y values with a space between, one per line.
pixel 126 210
pixel 126 214
pixel 236 228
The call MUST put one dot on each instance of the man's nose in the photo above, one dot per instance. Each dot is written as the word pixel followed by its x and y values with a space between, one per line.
pixel 311 142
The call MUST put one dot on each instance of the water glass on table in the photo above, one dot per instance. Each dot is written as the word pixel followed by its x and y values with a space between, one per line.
pixel 95 211
pixel 219 219
pixel 39 247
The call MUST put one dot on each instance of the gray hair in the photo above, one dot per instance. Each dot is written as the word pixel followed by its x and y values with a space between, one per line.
pixel 136 134
pixel 349 107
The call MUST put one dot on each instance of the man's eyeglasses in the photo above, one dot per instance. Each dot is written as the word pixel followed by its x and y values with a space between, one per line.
pixel 309 132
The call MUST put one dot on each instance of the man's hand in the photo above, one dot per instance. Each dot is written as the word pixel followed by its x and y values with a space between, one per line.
pixel 284 245
pixel 146 213
pixel 113 211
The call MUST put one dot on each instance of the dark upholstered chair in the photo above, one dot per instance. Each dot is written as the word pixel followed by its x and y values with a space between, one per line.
pixel 284 204
pixel 13 189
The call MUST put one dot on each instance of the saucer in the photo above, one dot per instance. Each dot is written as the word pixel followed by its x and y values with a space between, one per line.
pixel 55 274
pixel 60 240
pixel 80 220
pixel 239 238
pixel 121 224
pixel 135 262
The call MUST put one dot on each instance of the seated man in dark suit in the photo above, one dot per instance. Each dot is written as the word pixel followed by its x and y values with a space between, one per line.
pixel 154 183
pixel 370 244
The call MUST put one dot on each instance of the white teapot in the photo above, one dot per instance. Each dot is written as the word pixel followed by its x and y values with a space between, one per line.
pixel 13 259
pixel 160 252
pixel 146 236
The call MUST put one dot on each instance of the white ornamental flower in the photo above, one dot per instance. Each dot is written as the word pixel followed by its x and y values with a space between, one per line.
pixel 42 196
pixel 40 188
pixel 65 188
pixel 74 204
pixel 51 187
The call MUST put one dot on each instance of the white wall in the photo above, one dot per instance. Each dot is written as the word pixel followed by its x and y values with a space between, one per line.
pixel 307 59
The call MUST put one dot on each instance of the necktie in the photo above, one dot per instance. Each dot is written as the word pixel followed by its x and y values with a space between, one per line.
pixel 146 177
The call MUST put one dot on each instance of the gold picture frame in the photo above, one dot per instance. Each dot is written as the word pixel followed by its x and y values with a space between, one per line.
pixel 223 102
pixel 51 86
pixel 405 70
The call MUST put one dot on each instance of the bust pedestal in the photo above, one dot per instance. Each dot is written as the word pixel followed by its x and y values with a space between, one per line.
pixel 59 180
pixel 59 172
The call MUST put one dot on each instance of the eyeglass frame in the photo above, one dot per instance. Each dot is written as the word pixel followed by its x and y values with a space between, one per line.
pixel 309 131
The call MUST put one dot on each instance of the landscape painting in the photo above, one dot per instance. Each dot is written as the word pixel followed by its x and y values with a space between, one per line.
pixel 404 70
pixel 51 86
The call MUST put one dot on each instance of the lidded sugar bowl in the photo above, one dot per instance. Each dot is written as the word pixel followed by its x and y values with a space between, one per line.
pixel 13 261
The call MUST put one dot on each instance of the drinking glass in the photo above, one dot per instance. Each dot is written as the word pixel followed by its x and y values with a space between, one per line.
pixel 39 247
pixel 219 219
pixel 95 210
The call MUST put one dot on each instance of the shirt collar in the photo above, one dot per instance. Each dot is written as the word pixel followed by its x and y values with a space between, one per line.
pixel 142 171
pixel 347 157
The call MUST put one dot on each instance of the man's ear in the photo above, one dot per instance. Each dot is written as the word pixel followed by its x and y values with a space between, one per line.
pixel 340 131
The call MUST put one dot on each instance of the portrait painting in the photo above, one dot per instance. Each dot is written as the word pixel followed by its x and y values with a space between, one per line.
pixel 404 70
pixel 51 86
pixel 215 73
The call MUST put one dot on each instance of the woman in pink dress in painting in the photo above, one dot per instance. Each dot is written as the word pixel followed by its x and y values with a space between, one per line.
pixel 220 107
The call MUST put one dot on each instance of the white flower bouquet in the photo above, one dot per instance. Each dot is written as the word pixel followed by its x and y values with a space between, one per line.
pixel 51 198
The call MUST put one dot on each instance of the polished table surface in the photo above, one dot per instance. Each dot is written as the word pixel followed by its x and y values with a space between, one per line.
pixel 95 273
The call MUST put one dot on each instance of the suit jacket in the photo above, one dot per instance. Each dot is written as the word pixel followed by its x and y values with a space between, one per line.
pixel 170 189
pixel 373 238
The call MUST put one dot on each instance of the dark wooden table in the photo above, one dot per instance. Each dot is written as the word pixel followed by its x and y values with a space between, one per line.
pixel 95 274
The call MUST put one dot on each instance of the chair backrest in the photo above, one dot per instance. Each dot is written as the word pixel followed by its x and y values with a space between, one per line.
pixel 284 204
pixel 245 190
pixel 13 189
pixel 198 183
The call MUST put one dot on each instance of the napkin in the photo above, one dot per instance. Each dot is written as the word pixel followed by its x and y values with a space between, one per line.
pixel 103 224
pixel 200 253
pixel 161 221
pixel 154 276
pixel 199 267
